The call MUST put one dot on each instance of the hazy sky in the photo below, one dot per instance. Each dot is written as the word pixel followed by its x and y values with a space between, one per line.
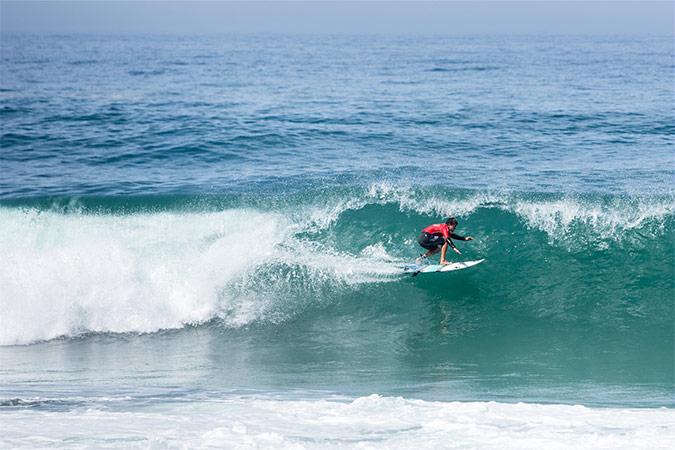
pixel 457 17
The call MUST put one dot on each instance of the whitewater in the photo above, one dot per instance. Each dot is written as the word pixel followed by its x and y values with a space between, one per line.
pixel 252 421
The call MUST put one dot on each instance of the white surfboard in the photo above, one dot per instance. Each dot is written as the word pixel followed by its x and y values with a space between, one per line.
pixel 440 267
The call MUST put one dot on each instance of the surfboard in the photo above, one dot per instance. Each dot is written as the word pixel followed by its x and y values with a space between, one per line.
pixel 417 269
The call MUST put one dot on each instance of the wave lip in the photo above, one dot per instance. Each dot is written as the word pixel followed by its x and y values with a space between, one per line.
pixel 598 217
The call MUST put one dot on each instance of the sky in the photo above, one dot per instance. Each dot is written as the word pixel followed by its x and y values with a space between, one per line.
pixel 605 17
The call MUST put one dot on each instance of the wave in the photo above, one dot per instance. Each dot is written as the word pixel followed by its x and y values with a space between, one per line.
pixel 77 266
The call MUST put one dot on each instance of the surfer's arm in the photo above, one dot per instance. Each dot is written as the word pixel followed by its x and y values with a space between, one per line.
pixel 456 236
pixel 445 248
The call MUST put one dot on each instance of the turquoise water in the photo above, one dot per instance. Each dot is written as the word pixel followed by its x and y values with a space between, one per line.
pixel 220 221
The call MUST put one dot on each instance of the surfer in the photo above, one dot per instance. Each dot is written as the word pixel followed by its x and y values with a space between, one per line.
pixel 439 234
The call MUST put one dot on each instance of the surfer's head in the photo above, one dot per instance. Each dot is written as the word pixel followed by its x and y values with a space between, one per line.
pixel 451 223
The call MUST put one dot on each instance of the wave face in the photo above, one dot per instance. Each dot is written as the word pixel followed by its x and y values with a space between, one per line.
pixel 578 270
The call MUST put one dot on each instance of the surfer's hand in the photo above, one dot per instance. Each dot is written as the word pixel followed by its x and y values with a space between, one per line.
pixel 457 251
pixel 469 238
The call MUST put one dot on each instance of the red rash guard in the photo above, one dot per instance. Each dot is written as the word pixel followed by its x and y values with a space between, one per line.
pixel 438 228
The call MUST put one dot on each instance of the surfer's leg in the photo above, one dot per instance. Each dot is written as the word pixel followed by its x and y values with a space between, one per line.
pixel 430 243
pixel 428 254
pixel 424 241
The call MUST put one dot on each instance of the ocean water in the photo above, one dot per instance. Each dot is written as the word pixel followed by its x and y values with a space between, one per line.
pixel 202 238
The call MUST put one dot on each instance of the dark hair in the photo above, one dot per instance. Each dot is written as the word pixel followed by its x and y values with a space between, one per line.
pixel 451 221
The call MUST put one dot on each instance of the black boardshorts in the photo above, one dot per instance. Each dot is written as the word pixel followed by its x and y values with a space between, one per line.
pixel 430 241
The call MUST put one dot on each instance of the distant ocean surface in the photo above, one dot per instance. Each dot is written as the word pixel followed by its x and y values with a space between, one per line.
pixel 202 239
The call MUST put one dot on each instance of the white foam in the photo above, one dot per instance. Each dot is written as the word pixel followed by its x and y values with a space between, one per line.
pixel 65 274
pixel 371 422
pixel 410 199
pixel 599 221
